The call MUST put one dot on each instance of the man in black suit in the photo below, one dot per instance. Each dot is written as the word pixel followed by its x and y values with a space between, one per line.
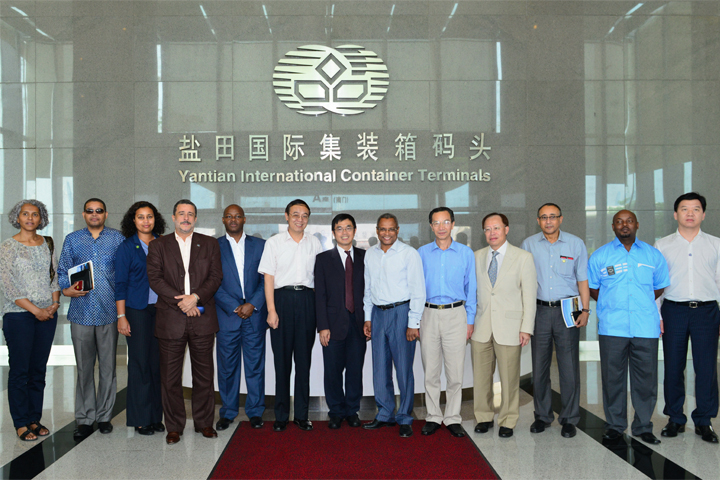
pixel 339 287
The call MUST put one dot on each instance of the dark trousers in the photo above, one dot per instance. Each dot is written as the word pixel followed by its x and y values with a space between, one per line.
pixel 640 354
pixel 550 329
pixel 29 341
pixel 172 354
pixel 347 354
pixel 144 400
pixel 701 325
pixel 295 335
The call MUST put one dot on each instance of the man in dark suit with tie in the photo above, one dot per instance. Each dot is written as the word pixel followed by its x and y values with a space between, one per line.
pixel 339 287
pixel 242 316
pixel 184 269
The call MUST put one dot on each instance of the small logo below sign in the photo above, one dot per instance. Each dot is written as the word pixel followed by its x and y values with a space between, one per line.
pixel 315 79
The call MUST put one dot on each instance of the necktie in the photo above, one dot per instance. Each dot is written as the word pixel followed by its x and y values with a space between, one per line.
pixel 349 300
pixel 492 271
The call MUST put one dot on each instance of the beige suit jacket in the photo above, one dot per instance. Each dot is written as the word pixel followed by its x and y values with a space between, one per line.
pixel 508 308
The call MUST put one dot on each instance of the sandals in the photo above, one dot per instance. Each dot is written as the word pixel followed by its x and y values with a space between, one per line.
pixel 23 436
pixel 38 429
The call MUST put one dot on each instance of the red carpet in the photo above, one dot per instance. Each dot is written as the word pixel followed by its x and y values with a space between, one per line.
pixel 349 453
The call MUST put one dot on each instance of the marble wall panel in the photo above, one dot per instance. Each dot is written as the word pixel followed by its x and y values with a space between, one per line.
pixel 554 113
pixel 102 114
pixel 54 114
pixel 18 115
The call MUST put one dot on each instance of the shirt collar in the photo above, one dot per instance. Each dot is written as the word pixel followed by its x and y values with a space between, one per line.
pixel 500 250
pixel 232 240
pixel 616 243
pixel 288 237
pixel 342 251
pixel 179 239
pixel 451 247
pixel 561 237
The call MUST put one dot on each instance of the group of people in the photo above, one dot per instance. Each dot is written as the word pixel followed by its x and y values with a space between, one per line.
pixel 166 293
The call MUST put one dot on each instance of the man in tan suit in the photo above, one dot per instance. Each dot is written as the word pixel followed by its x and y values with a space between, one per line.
pixel 507 289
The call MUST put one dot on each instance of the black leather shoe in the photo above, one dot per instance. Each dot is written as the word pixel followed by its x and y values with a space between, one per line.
pixel 303 424
pixel 648 437
pixel 335 422
pixel 672 429
pixel 568 430
pixel 707 433
pixel 149 430
pixel 158 427
pixel 538 426
pixel 429 428
pixel 105 427
pixel 505 432
pixel 280 426
pixel 456 430
pixel 375 424
pixel 256 422
pixel 82 431
pixel 353 420
pixel 483 427
pixel 406 431
pixel 612 435
pixel 223 423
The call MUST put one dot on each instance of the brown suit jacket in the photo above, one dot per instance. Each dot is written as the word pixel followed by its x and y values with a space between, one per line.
pixel 166 274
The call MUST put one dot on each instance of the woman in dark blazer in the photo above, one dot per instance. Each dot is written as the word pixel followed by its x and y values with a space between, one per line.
pixel 135 301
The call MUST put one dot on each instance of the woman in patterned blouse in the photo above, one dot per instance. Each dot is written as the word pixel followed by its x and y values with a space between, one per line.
pixel 32 298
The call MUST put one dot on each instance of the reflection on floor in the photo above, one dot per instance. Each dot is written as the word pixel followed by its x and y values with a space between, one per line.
pixel 127 455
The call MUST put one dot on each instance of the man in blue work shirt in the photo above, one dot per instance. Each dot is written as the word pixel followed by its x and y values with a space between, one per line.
pixel 625 277
pixel 561 264
pixel 448 319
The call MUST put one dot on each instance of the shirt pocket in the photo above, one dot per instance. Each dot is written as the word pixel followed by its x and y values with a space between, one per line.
pixel 644 275
pixel 566 267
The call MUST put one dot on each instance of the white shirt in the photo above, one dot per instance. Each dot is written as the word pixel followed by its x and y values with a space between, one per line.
pixel 694 267
pixel 238 250
pixel 343 255
pixel 500 256
pixel 290 262
pixel 185 253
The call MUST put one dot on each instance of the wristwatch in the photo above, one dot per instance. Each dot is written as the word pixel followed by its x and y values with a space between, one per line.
pixel 588 311
pixel 121 315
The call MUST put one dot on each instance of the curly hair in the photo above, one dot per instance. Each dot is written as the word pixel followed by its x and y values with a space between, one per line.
pixel 15 213
pixel 127 225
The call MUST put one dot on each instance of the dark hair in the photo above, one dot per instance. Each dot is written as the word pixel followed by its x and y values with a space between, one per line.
pixel 297 201
pixel 127 224
pixel 184 201
pixel 387 216
pixel 505 220
pixel 94 200
pixel 549 204
pixel 441 209
pixel 691 196
pixel 341 217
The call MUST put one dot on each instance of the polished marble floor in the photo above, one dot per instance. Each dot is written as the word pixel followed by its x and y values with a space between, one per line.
pixel 123 454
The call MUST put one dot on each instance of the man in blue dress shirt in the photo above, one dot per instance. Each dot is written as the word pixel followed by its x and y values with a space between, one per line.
pixel 448 319
pixel 625 277
pixel 561 264
pixel 93 317
pixel 394 299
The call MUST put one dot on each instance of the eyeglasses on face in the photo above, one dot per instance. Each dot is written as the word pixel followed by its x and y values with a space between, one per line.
pixel 495 228
pixel 298 216
pixel 90 211
pixel 347 229
pixel 437 223
pixel 552 218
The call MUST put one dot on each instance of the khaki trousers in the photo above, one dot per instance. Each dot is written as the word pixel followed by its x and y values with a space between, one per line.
pixel 484 356
pixel 443 336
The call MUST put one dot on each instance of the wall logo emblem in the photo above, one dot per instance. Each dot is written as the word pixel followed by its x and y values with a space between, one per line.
pixel 315 79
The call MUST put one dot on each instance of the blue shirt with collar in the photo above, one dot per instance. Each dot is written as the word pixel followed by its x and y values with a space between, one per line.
pixel 97 307
pixel 627 282
pixel 450 276
pixel 560 265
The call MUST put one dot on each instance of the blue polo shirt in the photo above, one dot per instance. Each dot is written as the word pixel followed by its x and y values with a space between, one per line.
pixel 627 282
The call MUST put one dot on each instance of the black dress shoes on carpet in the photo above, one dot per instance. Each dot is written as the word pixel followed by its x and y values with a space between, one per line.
pixel 303 424
pixel 429 428
pixel 672 429
pixel 612 435
pixel 538 426
pixel 82 431
pixel 147 430
pixel 505 432
pixel 279 425
pixel 223 423
pixel 707 433
pixel 406 431
pixel 568 430
pixel 483 427
pixel 456 430
pixel 335 423
pixel 353 420
pixel 648 437
pixel 105 427
pixel 256 422
pixel 375 424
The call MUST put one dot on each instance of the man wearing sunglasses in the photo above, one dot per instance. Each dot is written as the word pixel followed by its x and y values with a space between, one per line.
pixel 93 317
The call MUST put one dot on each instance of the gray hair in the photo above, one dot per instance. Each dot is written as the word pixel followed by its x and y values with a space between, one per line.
pixel 15 213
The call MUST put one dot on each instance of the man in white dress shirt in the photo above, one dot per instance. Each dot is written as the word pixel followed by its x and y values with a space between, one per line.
pixel 288 263
pixel 690 310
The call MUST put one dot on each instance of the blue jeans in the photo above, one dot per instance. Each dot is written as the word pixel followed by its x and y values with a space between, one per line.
pixel 29 341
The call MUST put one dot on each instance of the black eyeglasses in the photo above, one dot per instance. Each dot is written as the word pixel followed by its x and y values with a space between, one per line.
pixel 90 211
